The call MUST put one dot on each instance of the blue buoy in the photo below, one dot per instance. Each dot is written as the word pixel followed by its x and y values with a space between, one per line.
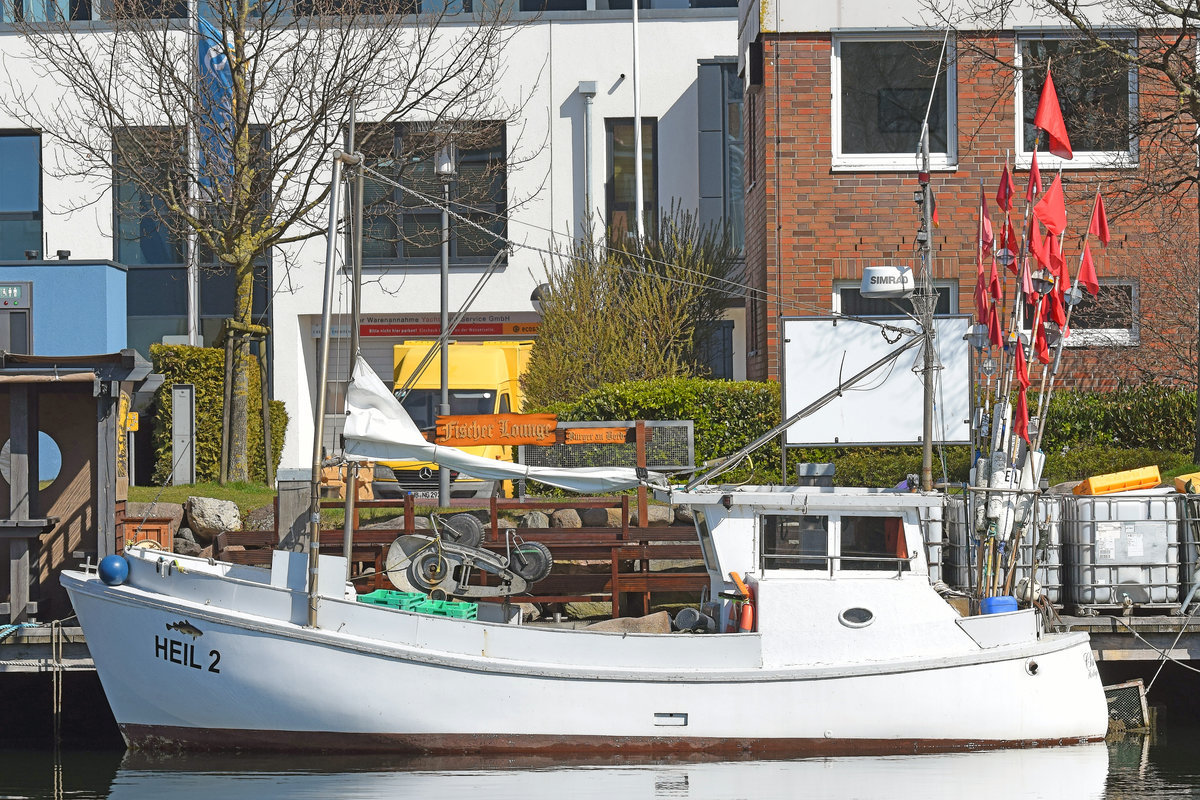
pixel 114 570
pixel 998 605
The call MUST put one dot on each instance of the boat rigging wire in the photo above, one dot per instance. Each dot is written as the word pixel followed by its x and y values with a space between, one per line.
pixel 731 288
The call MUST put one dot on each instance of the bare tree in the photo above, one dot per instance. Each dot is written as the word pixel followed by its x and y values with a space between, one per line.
pixel 620 310
pixel 244 167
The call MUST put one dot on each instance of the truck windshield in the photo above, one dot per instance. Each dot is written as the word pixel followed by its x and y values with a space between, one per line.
pixel 422 404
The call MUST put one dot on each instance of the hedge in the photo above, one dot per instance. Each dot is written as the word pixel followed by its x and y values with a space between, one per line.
pixel 726 415
pixel 1088 433
pixel 204 367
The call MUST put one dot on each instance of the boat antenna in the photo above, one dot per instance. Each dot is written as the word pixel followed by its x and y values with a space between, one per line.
pixel 925 299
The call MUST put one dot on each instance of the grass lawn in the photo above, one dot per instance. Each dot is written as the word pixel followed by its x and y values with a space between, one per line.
pixel 248 496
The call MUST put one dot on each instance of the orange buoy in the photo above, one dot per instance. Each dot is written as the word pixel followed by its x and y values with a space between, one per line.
pixel 746 621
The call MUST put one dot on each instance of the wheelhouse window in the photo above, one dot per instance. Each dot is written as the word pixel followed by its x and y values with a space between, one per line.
pixel 873 543
pixel 404 223
pixel 795 541
pixel 881 91
pixel 1096 90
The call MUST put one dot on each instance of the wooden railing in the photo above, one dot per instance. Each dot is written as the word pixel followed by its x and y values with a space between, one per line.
pixel 627 549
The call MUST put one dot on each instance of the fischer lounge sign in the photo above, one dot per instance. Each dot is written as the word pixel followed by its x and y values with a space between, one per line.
pixel 467 430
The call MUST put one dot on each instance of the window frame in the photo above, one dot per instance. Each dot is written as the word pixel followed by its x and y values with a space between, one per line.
pixel 893 162
pixel 36 215
pixel 649 209
pixel 938 284
pixel 1081 159
pixel 1111 337
pixel 401 130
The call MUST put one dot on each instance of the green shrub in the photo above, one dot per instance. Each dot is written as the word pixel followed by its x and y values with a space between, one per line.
pixel 204 367
pixel 726 416
pixel 1084 461
pixel 1143 416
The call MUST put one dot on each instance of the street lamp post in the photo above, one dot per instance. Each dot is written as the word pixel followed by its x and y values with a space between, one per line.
pixel 446 169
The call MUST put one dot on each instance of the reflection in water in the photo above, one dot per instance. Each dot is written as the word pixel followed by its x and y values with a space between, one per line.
pixel 1066 772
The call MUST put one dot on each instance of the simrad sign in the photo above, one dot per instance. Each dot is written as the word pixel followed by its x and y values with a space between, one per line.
pixel 468 430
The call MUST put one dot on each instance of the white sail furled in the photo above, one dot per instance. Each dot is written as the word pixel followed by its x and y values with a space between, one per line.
pixel 379 429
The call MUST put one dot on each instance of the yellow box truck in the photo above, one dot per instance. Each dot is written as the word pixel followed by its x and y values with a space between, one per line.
pixel 484 379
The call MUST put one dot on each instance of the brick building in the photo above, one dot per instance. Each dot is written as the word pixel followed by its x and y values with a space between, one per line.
pixel 836 94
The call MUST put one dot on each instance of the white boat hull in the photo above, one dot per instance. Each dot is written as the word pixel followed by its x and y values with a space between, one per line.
pixel 181 668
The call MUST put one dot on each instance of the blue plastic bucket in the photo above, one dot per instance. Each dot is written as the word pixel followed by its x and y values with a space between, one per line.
pixel 998 605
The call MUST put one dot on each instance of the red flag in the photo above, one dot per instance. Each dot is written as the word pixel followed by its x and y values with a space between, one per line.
pixel 1040 347
pixel 1020 368
pixel 1099 225
pixel 1058 265
pixel 1057 311
pixel 1035 180
pixel 1037 246
pixel 1009 242
pixel 1050 119
pixel 985 225
pixel 994 282
pixel 1007 190
pixel 981 301
pixel 995 335
pixel 1021 414
pixel 933 215
pixel 1087 272
pixel 1027 283
pixel 1052 208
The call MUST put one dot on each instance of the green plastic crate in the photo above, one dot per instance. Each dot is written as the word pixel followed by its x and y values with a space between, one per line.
pixel 405 601
pixel 448 608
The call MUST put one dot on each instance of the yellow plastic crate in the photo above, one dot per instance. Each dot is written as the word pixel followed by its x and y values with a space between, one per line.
pixel 1129 480
pixel 1181 482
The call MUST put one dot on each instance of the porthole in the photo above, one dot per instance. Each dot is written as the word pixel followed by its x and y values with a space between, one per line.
pixel 856 617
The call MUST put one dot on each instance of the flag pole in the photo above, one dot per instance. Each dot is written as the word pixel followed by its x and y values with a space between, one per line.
pixel 1067 325
pixel 192 242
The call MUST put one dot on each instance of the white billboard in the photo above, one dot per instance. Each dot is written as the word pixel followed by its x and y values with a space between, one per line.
pixel 884 408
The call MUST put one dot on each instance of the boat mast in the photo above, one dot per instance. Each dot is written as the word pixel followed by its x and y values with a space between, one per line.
pixel 924 302
pixel 314 516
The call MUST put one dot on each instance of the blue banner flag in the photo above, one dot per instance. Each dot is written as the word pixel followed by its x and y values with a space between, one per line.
pixel 215 128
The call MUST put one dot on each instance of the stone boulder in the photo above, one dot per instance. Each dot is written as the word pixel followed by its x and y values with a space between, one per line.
pixel 566 518
pixel 207 517
pixel 171 511
pixel 684 515
pixel 185 547
pixel 659 622
pixel 593 517
pixel 656 515
pixel 534 519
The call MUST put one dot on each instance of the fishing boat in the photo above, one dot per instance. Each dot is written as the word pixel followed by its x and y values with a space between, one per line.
pixel 820 633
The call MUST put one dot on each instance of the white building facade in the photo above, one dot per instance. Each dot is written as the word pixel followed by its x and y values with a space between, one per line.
pixel 571 71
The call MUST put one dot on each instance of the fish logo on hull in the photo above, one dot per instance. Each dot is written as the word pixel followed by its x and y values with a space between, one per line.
pixel 185 627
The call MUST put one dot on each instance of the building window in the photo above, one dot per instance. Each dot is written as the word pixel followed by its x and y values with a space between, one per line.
pixel 20 194
pixel 1097 93
pixel 45 10
pixel 881 92
pixel 137 9
pixel 146 231
pixel 721 152
pixel 1110 319
pixel 847 299
pixel 619 185
pixel 404 223
pixel 794 541
pixel 715 351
